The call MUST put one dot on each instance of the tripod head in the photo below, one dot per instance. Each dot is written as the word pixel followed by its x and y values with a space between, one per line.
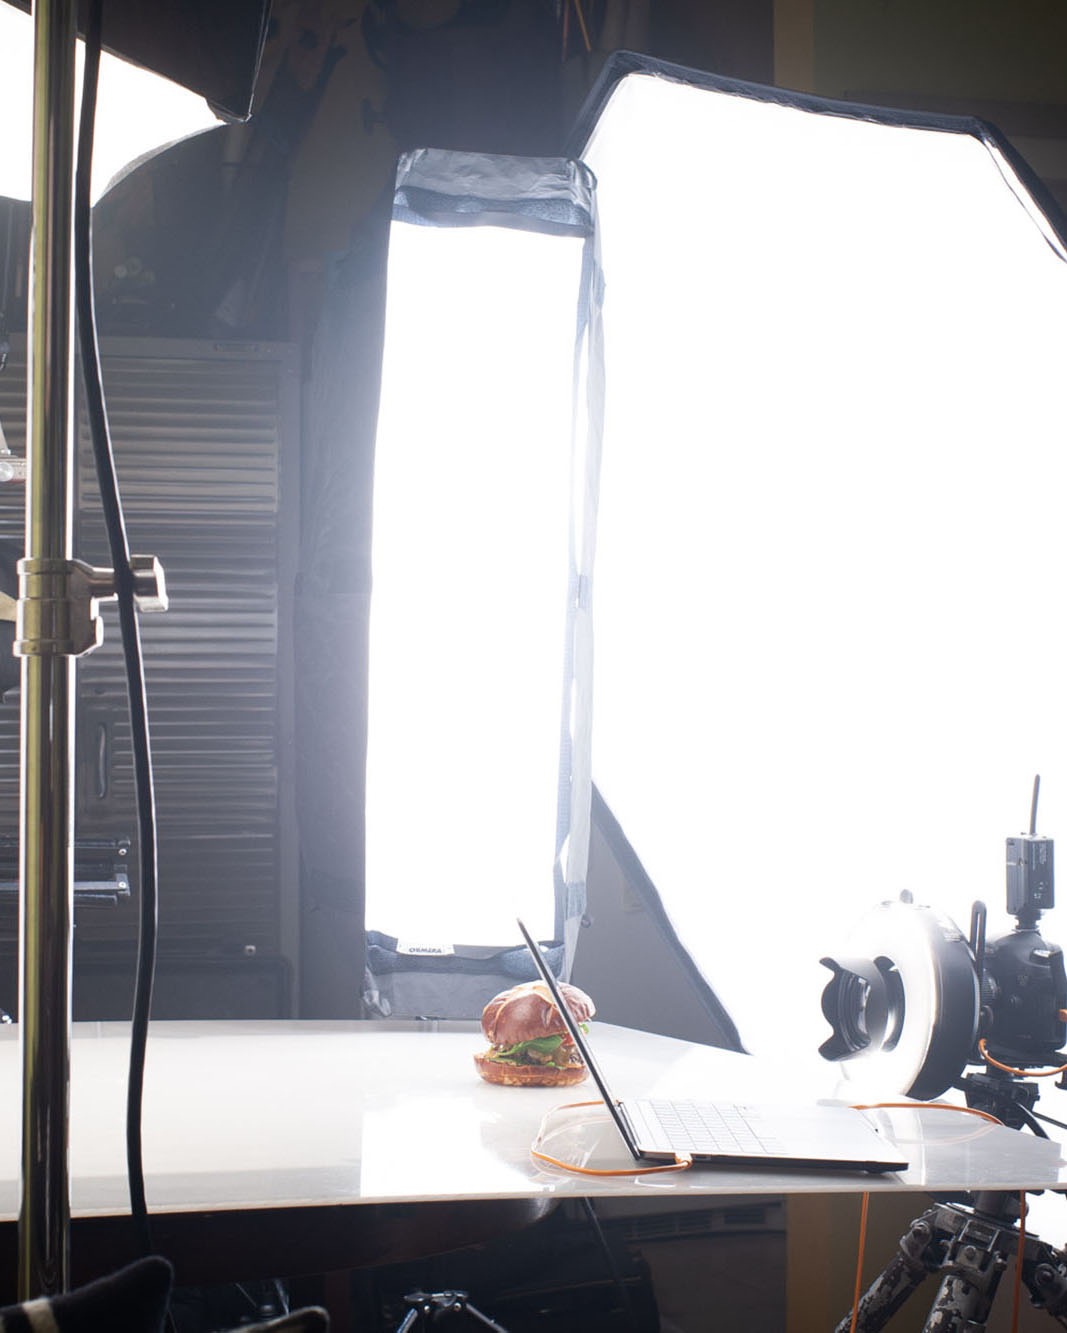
pixel 1010 1098
pixel 968 1248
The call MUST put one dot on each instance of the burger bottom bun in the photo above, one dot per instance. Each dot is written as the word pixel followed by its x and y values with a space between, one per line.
pixel 528 1076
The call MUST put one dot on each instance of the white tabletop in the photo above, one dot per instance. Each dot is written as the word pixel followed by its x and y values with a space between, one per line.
pixel 271 1115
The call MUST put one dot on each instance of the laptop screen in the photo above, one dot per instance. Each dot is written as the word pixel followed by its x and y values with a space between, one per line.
pixel 579 1039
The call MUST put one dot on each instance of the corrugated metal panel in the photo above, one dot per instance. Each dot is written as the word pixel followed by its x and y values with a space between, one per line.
pixel 198 436
pixel 12 502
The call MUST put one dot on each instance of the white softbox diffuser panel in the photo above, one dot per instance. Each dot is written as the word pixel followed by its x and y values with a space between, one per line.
pixel 477 787
pixel 828 612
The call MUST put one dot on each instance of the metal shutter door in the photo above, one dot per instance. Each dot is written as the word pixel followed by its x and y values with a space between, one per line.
pixel 204 435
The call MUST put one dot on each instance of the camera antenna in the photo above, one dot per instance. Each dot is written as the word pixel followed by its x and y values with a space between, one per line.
pixel 1033 805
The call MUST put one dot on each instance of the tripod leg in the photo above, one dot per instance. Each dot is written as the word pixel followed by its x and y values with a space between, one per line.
pixel 895 1283
pixel 484 1319
pixel 963 1303
pixel 408 1320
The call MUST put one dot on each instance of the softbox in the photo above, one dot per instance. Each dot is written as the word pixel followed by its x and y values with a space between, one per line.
pixel 827 589
pixel 477 778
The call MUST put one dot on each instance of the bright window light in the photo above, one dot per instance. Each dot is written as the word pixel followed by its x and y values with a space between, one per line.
pixel 137 111
pixel 831 665
pixel 472 522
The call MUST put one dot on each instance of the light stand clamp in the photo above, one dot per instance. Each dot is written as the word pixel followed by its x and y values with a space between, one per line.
pixel 59 601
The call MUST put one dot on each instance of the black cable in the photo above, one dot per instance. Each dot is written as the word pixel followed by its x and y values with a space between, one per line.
pixel 1032 1121
pixel 1048 1120
pixel 613 1268
pixel 128 623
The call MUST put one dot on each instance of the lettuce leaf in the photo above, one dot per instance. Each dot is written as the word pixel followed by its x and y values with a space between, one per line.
pixel 519 1054
pixel 543 1044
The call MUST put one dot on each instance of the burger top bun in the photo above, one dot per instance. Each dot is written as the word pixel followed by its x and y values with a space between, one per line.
pixel 527 1011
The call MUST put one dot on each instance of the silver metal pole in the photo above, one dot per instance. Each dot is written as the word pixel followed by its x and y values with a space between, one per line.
pixel 48 674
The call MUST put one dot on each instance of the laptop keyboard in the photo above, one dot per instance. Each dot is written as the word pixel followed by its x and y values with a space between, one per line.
pixel 700 1127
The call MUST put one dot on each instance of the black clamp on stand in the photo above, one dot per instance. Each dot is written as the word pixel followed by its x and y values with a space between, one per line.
pixel 970 1247
pixel 1000 1094
pixel 428 1307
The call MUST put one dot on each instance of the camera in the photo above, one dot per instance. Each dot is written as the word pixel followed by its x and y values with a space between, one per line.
pixel 915 1001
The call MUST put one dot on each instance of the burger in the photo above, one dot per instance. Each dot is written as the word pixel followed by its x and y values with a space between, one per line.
pixel 529 1043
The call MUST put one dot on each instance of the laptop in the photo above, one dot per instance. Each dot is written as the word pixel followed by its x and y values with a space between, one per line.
pixel 654 1129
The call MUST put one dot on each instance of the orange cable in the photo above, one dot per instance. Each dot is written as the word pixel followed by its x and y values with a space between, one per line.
pixel 680 1163
pixel 864 1203
pixel 923 1106
pixel 983 1051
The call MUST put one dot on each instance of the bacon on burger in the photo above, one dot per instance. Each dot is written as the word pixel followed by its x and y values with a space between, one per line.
pixel 529 1042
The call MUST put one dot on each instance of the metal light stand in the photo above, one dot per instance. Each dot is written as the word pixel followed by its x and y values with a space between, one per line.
pixel 970 1247
pixel 57 622
pixel 46 861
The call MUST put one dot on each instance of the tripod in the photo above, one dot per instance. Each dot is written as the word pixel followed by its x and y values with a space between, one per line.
pixel 428 1307
pixel 970 1246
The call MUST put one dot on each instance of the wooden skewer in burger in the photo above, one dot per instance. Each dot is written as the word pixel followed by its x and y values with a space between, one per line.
pixel 529 1042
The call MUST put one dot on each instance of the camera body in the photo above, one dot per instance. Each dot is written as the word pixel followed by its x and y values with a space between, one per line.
pixel 1023 988
pixel 922 1001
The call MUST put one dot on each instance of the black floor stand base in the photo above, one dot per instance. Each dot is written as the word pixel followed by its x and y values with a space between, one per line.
pixel 428 1307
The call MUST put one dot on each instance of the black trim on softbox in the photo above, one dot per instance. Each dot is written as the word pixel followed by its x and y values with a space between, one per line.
pixel 623 63
pixel 443 188
pixel 211 47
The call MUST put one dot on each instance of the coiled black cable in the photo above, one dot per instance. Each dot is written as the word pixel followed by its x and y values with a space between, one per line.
pixel 128 622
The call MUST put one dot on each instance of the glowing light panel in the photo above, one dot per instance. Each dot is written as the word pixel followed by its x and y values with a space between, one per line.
pixel 470 567
pixel 830 664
